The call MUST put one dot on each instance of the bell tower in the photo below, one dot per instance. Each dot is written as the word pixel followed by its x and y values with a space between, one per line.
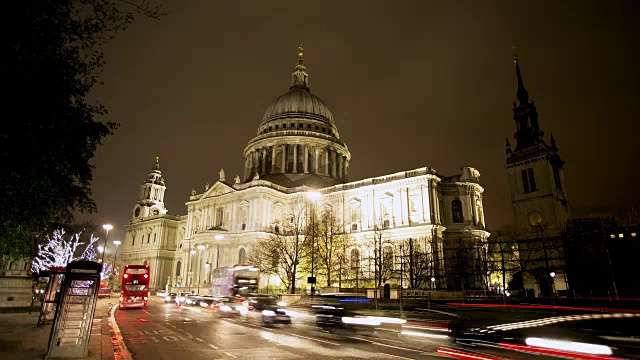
pixel 534 169
pixel 151 200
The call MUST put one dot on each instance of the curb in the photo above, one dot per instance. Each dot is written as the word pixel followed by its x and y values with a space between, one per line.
pixel 120 351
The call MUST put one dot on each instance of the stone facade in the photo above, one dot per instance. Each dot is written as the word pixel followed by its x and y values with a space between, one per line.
pixel 16 284
pixel 297 149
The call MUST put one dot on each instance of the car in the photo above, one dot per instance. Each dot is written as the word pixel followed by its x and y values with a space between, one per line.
pixel 170 298
pixel 181 298
pixel 266 311
pixel 344 321
pixel 229 306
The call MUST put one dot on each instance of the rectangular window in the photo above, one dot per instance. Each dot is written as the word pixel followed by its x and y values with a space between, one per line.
pixel 219 216
pixel 525 181
pixel 532 180
pixel 528 180
pixel 556 178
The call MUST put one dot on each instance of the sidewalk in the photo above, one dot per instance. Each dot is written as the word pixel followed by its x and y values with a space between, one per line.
pixel 20 339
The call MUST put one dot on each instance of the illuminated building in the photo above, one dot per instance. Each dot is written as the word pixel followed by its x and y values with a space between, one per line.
pixel 298 149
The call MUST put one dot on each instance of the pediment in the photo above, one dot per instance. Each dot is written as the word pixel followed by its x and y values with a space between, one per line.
pixel 218 189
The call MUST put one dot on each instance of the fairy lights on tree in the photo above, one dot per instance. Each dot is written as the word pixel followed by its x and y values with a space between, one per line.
pixel 58 251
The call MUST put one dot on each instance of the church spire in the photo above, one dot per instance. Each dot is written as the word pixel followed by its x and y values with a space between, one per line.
pixel 300 77
pixel 522 94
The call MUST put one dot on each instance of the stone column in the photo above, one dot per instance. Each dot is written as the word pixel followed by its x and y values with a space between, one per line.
pixel 264 160
pixel 333 163
pixel 315 159
pixel 306 159
pixel 339 176
pixel 273 158
pixel 326 162
pixel 284 158
pixel 295 158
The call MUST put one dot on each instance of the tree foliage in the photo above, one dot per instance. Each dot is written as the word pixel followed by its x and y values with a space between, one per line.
pixel 51 61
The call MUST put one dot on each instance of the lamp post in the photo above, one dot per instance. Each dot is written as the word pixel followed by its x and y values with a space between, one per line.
pixel 115 257
pixel 101 251
pixel 190 274
pixel 107 228
pixel 313 196
pixel 200 247
pixel 218 237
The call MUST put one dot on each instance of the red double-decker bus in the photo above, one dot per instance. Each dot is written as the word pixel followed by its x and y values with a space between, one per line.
pixel 135 286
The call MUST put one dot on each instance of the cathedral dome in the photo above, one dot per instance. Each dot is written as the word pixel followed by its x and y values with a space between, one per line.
pixel 297 142
pixel 298 103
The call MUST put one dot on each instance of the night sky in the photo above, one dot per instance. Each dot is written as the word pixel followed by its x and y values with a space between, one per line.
pixel 410 84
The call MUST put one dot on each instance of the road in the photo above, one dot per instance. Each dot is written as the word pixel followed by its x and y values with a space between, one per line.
pixel 164 331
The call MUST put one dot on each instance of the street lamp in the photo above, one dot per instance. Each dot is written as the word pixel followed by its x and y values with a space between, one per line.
pixel 313 196
pixel 200 247
pixel 100 250
pixel 218 237
pixel 107 228
pixel 115 257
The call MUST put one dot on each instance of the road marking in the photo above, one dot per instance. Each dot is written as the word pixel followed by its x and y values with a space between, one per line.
pixel 397 356
pixel 229 355
pixel 145 311
pixel 213 347
pixel 314 339
pixel 381 344
pixel 199 339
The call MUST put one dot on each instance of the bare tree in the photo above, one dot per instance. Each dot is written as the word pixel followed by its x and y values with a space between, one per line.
pixel 283 250
pixel 330 243
pixel 380 256
pixel 415 263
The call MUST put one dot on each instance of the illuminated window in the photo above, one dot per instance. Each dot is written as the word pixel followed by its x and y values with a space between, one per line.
pixel 621 236
pixel 613 236
pixel 219 216
pixel 456 211
pixel 633 234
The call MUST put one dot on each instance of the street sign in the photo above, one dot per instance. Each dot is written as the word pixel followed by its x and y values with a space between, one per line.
pixel 311 280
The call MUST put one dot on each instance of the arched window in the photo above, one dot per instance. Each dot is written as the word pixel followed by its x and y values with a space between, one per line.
pixel 178 267
pixel 456 211
pixel 355 258
pixel 241 256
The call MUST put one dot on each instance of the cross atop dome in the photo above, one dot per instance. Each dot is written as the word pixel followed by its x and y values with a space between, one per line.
pixel 300 54
pixel 300 77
